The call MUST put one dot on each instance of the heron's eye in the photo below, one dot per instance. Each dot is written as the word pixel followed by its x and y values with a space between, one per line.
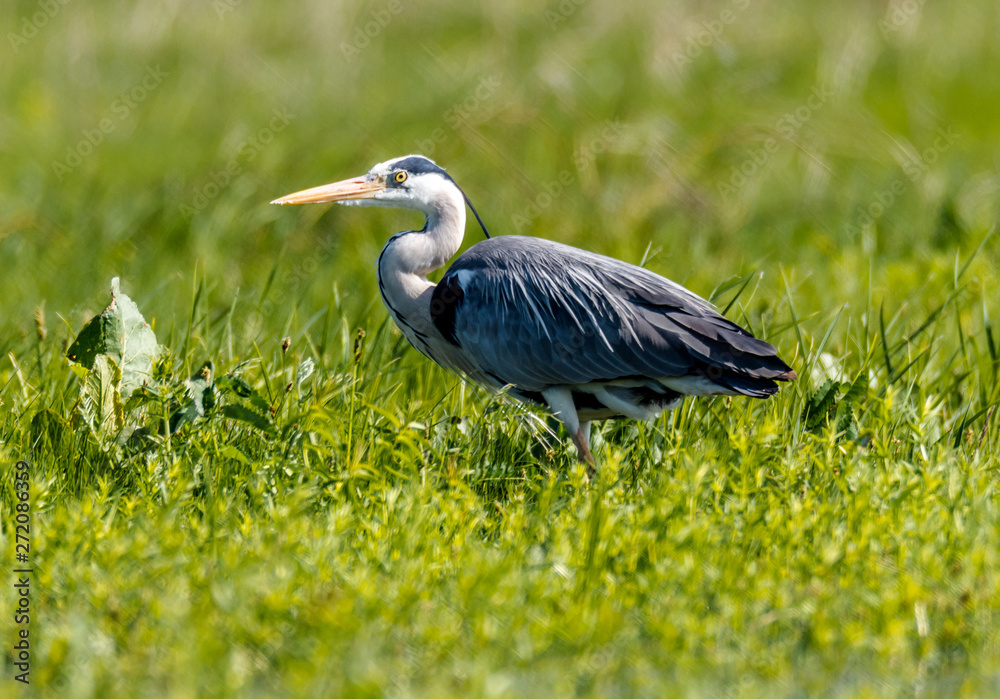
pixel 400 177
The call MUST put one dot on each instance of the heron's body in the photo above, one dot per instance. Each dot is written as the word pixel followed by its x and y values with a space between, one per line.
pixel 589 336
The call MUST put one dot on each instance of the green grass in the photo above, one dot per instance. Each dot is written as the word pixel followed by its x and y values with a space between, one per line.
pixel 375 527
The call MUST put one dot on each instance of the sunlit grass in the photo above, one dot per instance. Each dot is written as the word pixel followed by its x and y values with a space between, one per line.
pixel 381 528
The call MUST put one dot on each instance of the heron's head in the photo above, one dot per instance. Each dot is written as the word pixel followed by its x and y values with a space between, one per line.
pixel 410 182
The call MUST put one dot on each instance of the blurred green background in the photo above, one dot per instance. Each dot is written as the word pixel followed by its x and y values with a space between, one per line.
pixel 848 152
pixel 653 109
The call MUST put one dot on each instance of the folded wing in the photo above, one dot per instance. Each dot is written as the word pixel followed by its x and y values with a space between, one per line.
pixel 535 314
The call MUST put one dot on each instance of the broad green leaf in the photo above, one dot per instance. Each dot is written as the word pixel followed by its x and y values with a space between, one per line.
pixel 236 385
pixel 244 414
pixel 138 348
pixel 101 401
pixel 818 405
pixel 99 336
pixel 243 390
pixel 858 390
pixel 120 332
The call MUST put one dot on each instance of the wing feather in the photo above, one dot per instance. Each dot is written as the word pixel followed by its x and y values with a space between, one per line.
pixel 536 313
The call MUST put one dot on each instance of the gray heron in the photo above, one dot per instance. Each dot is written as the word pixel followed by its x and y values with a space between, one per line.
pixel 588 336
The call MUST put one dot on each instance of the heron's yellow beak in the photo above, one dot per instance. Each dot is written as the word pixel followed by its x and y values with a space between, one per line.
pixel 347 190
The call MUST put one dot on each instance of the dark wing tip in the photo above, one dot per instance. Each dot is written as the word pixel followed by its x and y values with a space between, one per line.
pixel 780 371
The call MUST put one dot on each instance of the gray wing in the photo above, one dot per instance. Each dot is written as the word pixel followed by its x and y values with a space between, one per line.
pixel 535 313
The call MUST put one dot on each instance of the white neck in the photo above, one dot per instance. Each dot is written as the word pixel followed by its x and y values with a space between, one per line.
pixel 421 252
pixel 408 257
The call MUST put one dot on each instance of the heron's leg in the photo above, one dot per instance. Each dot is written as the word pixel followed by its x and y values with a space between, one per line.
pixel 560 400
pixel 582 441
